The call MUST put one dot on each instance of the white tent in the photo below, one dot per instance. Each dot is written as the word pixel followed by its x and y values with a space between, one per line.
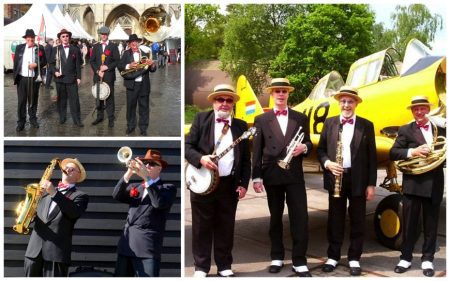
pixel 78 25
pixel 57 14
pixel 78 31
pixel 176 28
pixel 118 33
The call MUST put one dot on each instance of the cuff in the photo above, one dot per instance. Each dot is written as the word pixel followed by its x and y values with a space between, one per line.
pixel 257 180
pixel 409 154
pixel 326 164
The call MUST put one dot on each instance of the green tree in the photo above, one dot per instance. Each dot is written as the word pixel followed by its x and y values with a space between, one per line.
pixel 254 35
pixel 203 32
pixel 329 37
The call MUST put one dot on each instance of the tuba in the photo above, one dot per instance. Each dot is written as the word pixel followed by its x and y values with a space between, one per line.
pixel 298 138
pixel 151 20
pixel 419 165
pixel 26 210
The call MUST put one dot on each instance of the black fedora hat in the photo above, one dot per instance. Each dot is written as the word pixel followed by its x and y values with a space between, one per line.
pixel 133 37
pixel 29 33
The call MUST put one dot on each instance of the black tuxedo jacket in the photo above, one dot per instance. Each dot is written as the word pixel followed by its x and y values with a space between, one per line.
pixel 200 141
pixel 18 59
pixel 143 233
pixel 71 67
pixel 127 58
pixel 269 146
pixel 363 154
pixel 112 58
pixel 430 184
pixel 52 233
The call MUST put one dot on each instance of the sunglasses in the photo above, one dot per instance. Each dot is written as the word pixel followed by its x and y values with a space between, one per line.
pixel 64 36
pixel 222 100
pixel 281 91
pixel 151 164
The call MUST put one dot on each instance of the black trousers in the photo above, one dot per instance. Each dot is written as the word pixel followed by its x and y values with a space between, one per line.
pixel 27 93
pixel 213 225
pixel 337 210
pixel 68 93
pixel 38 267
pixel 137 267
pixel 295 197
pixel 411 215
pixel 137 97
pixel 107 104
pixel 49 77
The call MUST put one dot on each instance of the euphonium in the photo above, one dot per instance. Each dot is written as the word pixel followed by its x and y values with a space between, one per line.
pixel 26 210
pixel 298 138
pixel 419 165
pixel 141 65
pixel 340 161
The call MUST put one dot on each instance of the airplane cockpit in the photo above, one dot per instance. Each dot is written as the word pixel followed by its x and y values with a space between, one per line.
pixel 327 86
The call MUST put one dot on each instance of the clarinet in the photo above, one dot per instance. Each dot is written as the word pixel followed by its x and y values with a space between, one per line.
pixel 339 160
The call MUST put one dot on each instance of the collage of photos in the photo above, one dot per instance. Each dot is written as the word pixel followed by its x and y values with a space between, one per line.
pixel 224 139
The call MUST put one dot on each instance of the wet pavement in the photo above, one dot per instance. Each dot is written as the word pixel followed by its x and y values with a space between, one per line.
pixel 165 109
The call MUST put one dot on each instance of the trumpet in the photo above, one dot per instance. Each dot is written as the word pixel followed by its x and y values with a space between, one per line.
pixel 39 78
pixel 298 138
pixel 124 155
pixel 141 65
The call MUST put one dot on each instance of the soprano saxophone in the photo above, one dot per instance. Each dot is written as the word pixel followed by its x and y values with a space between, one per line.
pixel 339 160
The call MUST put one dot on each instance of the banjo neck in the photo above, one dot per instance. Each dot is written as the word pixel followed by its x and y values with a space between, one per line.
pixel 222 154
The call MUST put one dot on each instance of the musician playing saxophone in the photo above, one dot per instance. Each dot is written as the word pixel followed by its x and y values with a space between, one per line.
pixel 141 242
pixel 49 249
pixel 358 172
pixel 275 130
pixel 213 215
pixel 421 193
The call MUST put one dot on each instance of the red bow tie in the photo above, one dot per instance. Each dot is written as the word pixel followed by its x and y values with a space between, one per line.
pixel 30 46
pixel 222 120
pixel 280 112
pixel 62 186
pixel 347 121
pixel 66 46
pixel 423 126
pixel 104 44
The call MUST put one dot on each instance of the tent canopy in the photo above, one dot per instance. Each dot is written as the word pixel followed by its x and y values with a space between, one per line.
pixel 118 33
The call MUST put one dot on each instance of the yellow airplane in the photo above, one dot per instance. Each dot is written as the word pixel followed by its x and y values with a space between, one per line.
pixel 386 86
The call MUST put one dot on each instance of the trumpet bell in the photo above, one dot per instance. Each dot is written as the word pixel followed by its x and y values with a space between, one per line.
pixel 124 154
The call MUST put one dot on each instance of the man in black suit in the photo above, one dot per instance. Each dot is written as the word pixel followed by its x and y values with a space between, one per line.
pixel 105 71
pixel 139 249
pixel 49 249
pixel 48 73
pixel 276 129
pixel 213 215
pixel 26 59
pixel 422 191
pixel 358 172
pixel 137 84
pixel 67 77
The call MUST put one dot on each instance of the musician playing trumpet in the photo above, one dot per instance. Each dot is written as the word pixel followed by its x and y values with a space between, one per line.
pixel 358 173
pixel 141 242
pixel 29 59
pixel 275 130
pixel 137 84
pixel 213 215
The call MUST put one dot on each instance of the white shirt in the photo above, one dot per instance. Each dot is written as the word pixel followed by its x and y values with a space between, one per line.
pixel 227 161
pixel 104 46
pixel 137 58
pixel 28 57
pixel 147 184
pixel 53 203
pixel 282 120
pixel 66 50
pixel 427 135
pixel 347 136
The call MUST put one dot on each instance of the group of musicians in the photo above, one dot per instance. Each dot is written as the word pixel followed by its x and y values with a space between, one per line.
pixel 64 62
pixel 139 248
pixel 350 136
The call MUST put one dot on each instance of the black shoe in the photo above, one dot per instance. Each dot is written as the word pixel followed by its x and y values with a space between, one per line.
pixel 129 131
pixel 401 269
pixel 111 123
pixel 328 267
pixel 355 271
pixel 20 127
pixel 35 124
pixel 302 274
pixel 143 133
pixel 98 120
pixel 62 121
pixel 428 272
pixel 275 268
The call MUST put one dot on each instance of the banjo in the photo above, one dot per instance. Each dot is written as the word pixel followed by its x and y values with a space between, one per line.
pixel 204 181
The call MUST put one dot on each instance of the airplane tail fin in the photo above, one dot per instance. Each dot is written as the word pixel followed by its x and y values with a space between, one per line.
pixel 248 106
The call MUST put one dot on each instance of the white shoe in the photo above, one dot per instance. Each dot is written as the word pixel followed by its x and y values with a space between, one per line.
pixel 226 273
pixel 199 274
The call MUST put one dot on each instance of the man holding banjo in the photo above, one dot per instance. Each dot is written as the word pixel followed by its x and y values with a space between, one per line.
pixel 214 209
pixel 104 60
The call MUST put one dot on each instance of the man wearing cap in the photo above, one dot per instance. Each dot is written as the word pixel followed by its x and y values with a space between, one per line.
pixel 276 128
pixel 358 172
pixel 26 59
pixel 141 242
pixel 421 193
pixel 104 60
pixel 49 249
pixel 213 215
pixel 137 84
pixel 67 77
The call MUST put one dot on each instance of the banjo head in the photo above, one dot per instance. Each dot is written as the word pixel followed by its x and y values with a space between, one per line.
pixel 104 91
pixel 199 181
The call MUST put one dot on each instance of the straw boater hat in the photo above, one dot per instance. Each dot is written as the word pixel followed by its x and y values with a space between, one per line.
pixel 64 31
pixel 29 33
pixel 153 156
pixel 348 91
pixel 223 89
pixel 76 162
pixel 419 100
pixel 279 83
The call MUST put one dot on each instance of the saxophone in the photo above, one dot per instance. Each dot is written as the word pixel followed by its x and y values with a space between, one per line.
pixel 339 160
pixel 26 210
